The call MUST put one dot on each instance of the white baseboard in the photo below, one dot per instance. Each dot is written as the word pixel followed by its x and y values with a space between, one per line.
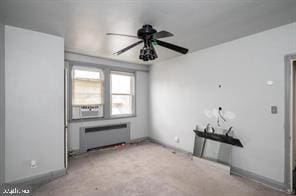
pixel 234 170
pixel 260 179
pixel 36 181
pixel 223 167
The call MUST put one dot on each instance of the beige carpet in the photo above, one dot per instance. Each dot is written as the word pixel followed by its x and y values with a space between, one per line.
pixel 147 169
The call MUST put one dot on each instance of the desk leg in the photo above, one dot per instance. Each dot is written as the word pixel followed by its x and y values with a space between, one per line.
pixel 203 148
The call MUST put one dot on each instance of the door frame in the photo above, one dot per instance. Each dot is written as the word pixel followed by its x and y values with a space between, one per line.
pixel 289 122
pixel 66 117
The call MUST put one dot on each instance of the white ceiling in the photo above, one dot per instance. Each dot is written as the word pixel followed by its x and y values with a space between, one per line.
pixel 196 24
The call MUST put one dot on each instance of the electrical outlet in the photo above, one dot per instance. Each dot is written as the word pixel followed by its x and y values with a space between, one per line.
pixel 269 83
pixel 177 139
pixel 33 164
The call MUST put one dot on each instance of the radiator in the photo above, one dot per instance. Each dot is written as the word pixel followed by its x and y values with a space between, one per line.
pixel 99 136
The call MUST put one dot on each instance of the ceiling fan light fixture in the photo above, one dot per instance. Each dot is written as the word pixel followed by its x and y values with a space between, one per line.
pixel 147 53
pixel 150 37
pixel 142 53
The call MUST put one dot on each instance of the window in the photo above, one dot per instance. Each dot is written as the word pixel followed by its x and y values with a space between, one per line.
pixel 122 93
pixel 90 91
pixel 87 92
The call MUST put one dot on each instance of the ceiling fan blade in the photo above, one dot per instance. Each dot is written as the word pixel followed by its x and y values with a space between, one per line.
pixel 127 48
pixel 117 34
pixel 172 46
pixel 162 34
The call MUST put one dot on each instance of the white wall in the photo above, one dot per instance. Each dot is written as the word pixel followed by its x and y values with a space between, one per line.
pixel 182 88
pixel 2 103
pixel 34 108
pixel 139 124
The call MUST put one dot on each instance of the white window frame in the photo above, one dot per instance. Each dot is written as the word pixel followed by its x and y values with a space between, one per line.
pixel 133 93
pixel 71 79
pixel 91 69
pixel 107 102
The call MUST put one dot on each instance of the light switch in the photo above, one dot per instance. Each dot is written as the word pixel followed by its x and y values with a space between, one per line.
pixel 274 110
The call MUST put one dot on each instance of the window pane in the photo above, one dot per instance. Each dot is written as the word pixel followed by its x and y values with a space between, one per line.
pixel 87 86
pixel 121 84
pixel 85 74
pixel 87 92
pixel 122 93
pixel 121 104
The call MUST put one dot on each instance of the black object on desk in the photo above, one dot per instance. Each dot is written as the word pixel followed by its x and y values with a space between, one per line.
pixel 219 137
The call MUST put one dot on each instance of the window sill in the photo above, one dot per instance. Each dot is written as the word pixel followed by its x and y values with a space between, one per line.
pixel 101 119
pixel 123 116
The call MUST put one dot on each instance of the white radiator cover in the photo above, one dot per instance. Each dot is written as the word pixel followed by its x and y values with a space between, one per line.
pixel 99 136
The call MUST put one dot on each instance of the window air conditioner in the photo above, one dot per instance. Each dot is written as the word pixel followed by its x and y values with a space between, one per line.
pixel 87 111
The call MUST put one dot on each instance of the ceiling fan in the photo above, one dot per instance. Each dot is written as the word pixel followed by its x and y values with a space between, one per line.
pixel 150 37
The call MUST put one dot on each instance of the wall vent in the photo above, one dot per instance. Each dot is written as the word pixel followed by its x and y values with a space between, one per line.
pixel 103 135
